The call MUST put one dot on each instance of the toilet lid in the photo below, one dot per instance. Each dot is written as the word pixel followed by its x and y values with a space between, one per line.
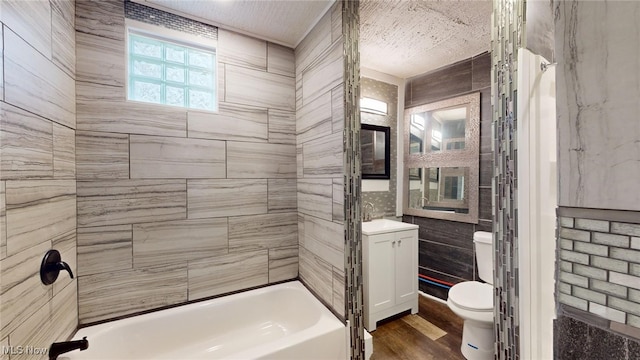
pixel 472 295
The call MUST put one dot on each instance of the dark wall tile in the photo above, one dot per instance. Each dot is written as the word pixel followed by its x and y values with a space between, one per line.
pixel 450 260
pixel 484 225
pixel 486 169
pixel 606 345
pixel 481 71
pixel 484 204
pixel 446 232
pixel 434 290
pixel 486 117
pixel 407 219
pixel 440 84
pixel 634 349
pixel 570 339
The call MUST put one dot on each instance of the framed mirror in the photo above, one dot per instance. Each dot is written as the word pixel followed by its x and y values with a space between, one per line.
pixel 375 146
pixel 441 153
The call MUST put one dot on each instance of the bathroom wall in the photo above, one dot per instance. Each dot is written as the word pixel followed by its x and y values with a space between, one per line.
pixel 37 172
pixel 598 285
pixel 384 202
pixel 319 128
pixel 173 204
pixel 446 247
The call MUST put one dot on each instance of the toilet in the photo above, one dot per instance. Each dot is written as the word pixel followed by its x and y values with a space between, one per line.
pixel 473 302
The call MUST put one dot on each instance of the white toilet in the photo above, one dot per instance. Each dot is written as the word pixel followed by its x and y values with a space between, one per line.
pixel 473 302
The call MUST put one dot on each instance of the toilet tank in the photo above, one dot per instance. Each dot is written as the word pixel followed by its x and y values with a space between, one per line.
pixel 484 255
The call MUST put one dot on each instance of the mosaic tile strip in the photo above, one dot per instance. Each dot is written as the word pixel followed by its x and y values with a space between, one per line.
pixel 149 15
pixel 352 178
pixel 507 36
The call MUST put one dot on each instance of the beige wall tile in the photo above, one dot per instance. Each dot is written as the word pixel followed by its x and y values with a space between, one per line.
pixel 282 195
pixel 282 127
pixel 221 83
pixel 226 273
pixel 255 160
pixel 314 119
pixel 281 60
pixel 31 20
pixel 66 245
pixel 52 202
pixel 100 60
pixel 27 145
pixel 283 263
pixel 104 249
pixel 221 198
pixel 118 293
pixel 338 289
pixel 317 274
pixel 103 108
pixel 64 152
pixel 35 331
pixel 315 197
pixel 238 49
pixel 155 157
pixel 336 22
pixel 338 200
pixel 298 91
pixel 63 35
pixel 231 122
pixel 119 202
pixel 259 88
pixel 257 232
pixel 103 18
pixel 299 161
pixel 314 44
pixel 169 242
pixel 325 239
pixel 2 64
pixel 3 221
pixel 323 157
pixel 35 84
pixel 101 155
pixel 324 74
pixel 22 292
pixel 337 108
pixel 64 313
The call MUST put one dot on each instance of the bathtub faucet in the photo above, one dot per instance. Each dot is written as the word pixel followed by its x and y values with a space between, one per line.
pixel 66 346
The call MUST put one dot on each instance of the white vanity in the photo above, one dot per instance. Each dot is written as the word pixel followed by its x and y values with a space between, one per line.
pixel 390 269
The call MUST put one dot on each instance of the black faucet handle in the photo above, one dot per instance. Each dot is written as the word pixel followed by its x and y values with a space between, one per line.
pixel 61 265
pixel 51 265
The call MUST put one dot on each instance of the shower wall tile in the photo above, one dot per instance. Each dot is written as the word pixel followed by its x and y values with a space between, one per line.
pixel 325 73
pixel 283 263
pixel 31 20
pixel 103 249
pixel 226 273
pixel 64 313
pixel 280 60
pixel 32 331
pixel 315 197
pixel 241 50
pixel 338 289
pixel 64 152
pixel 257 232
pixel 52 202
pixel 282 127
pixel 3 220
pixel 324 239
pixel 118 202
pixel 155 244
pixel 314 44
pixel 27 144
pixel 155 157
pixel 66 244
pixel 221 198
pixel 323 157
pixel 231 122
pixel 337 109
pixel 255 160
pixel 99 60
pixel 282 195
pixel 259 88
pixel 317 275
pixel 33 83
pixel 63 36
pixel 102 18
pixel 337 211
pixel 117 293
pixel 102 155
pixel 314 119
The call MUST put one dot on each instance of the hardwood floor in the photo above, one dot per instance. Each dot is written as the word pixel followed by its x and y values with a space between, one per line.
pixel 434 333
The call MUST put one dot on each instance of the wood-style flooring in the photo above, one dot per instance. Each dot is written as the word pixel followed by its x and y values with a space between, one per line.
pixel 434 333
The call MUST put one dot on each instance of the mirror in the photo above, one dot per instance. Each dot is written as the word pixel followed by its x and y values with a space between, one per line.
pixel 442 159
pixel 376 148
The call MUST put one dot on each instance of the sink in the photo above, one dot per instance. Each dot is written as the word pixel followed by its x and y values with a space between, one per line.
pixel 381 226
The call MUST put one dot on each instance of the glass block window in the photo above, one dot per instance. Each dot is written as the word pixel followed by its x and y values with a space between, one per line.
pixel 171 73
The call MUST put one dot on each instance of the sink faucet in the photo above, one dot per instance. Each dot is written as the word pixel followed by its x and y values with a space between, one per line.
pixel 59 348
pixel 367 210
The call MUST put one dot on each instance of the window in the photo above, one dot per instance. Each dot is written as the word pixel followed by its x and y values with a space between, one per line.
pixel 171 73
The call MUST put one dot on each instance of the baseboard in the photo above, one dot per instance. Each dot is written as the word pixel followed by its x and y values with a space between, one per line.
pixel 431 297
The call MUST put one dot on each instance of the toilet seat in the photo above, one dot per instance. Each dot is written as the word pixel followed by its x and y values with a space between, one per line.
pixel 472 296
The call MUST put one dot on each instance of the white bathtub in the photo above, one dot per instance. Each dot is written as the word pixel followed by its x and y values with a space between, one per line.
pixel 283 321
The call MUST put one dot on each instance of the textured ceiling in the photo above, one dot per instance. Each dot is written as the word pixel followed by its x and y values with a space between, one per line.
pixel 398 37
pixel 284 22
pixel 408 38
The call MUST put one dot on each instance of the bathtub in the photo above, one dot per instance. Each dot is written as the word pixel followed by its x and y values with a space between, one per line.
pixel 282 321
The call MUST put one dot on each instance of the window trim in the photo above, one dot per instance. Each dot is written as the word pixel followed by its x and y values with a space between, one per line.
pixel 180 39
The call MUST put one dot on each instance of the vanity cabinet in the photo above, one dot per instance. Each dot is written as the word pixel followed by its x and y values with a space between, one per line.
pixel 390 269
